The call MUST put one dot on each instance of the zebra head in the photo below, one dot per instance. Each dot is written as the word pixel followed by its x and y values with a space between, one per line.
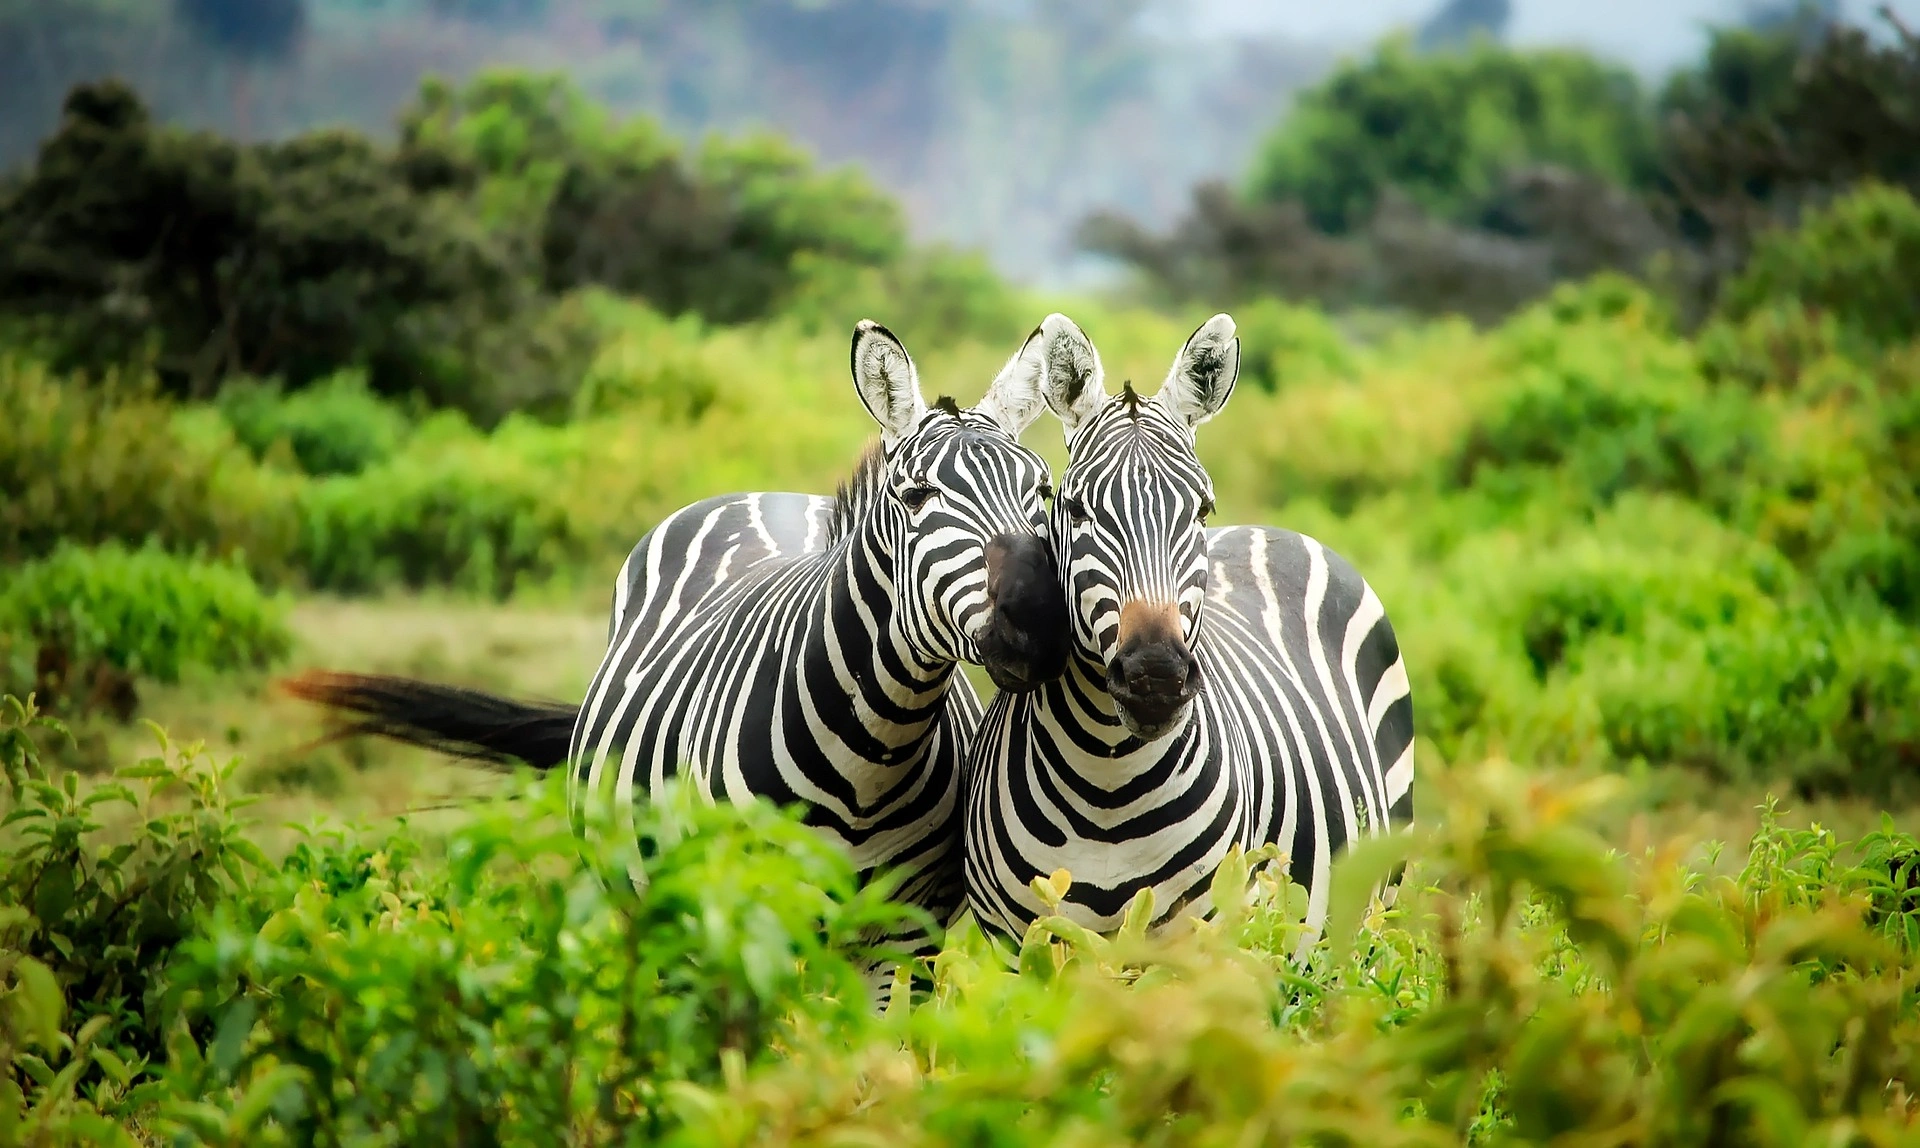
pixel 1129 525
pixel 964 507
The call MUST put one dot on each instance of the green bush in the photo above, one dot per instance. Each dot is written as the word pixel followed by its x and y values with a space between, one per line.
pixel 144 613
pixel 937 297
pixel 1279 342
pixel 92 909
pixel 89 464
pixel 1606 408
pixel 1543 989
pixel 484 514
pixel 1854 263
pixel 1820 701
pixel 335 426
pixel 134 243
pixel 1443 127
pixel 507 993
pixel 497 985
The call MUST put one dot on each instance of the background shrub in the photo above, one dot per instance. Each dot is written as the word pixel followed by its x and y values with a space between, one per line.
pixel 144 613
pixel 485 514
pixel 1854 262
pixel 335 426
pixel 1443 128
pixel 88 464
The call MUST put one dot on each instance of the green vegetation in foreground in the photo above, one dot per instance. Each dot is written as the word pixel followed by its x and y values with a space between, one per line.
pixel 163 979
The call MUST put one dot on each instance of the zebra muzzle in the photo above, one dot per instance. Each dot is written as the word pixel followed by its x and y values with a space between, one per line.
pixel 1026 639
pixel 1153 674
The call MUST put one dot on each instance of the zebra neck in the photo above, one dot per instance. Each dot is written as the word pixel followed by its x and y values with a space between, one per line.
pixel 893 695
pixel 1080 707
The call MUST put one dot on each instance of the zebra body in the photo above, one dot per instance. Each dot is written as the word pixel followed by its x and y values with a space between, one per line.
pixel 1301 734
pixel 745 658
pixel 803 649
pixel 1231 686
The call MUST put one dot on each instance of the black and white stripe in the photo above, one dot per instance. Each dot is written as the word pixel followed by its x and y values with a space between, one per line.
pixel 803 649
pixel 1230 686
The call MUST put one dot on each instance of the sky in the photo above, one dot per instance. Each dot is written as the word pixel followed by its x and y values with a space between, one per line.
pixel 1649 35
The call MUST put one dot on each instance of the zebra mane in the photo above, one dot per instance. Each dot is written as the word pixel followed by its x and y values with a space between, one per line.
pixel 1131 398
pixel 851 496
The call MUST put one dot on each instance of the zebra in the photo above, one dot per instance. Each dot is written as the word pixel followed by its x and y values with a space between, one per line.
pixel 1234 685
pixel 803 649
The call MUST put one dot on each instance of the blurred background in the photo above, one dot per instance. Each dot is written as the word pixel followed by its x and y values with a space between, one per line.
pixel 372 333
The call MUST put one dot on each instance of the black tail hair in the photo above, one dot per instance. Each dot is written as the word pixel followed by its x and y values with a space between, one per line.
pixel 449 719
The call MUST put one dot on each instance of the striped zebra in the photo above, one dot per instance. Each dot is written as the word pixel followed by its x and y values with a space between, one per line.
pixel 801 648
pixel 1238 685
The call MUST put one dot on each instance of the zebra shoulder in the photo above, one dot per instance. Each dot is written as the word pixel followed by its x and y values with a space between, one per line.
pixel 729 533
pixel 1253 565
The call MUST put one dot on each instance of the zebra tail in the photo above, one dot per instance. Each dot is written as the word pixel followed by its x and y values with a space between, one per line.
pixel 466 723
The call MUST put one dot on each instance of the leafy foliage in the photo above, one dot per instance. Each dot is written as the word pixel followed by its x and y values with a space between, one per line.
pixel 506 992
pixel 1443 128
pixel 90 464
pixel 1537 987
pixel 285 259
pixel 497 984
pixel 335 426
pixel 70 618
pixel 1779 120
pixel 1855 261
pixel 1466 181
pixel 90 917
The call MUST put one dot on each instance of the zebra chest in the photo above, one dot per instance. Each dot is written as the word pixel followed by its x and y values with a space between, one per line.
pixel 1149 820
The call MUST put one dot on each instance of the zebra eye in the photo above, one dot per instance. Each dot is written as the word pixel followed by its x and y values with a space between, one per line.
pixel 1075 509
pixel 1206 510
pixel 916 497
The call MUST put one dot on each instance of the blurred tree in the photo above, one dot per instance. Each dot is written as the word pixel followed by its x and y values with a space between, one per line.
pixel 1463 181
pixel 1230 249
pixel 1774 121
pixel 1442 128
pixel 130 241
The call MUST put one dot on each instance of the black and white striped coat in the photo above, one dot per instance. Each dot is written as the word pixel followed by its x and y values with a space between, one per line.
pixel 803 649
pixel 1231 686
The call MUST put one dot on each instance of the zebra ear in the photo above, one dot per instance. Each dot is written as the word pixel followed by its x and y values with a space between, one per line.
pixel 1016 395
pixel 884 375
pixel 1070 377
pixel 1203 373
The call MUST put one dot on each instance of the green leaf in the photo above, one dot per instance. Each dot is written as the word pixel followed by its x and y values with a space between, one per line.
pixel 115 1068
pixel 91 1030
pixel 1356 873
pixel 231 1037
pixel 1139 915
pixel 21 814
pixel 44 1002
pixel 36 1068
pixel 258 1101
